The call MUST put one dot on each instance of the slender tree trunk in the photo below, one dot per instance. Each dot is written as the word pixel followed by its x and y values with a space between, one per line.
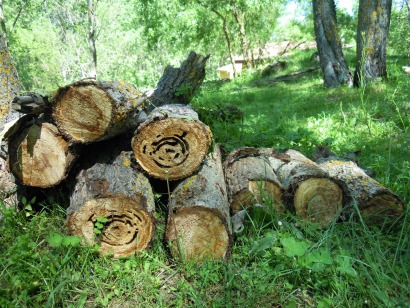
pixel 227 39
pixel 332 61
pixel 9 84
pixel 408 19
pixel 240 19
pixel 372 34
pixel 3 22
pixel 91 38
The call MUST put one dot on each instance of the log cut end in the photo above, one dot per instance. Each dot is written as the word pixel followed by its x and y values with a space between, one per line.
pixel 262 192
pixel 39 156
pixel 318 200
pixel 196 232
pixel 120 224
pixel 385 207
pixel 171 148
pixel 83 112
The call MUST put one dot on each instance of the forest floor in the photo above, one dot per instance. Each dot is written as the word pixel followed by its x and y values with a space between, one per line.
pixel 277 261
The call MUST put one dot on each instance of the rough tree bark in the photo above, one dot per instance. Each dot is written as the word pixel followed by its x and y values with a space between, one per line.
pixel 88 111
pixel 376 203
pixel 198 220
pixel 309 191
pixel 172 143
pixel 334 67
pixel 372 34
pixel 39 156
pixel 9 84
pixel 250 179
pixel 112 204
pixel 91 6
pixel 178 85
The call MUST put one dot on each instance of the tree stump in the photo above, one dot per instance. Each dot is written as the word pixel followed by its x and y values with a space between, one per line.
pixel 315 196
pixel 88 111
pixel 178 85
pixel 172 143
pixel 198 220
pixel 250 179
pixel 112 204
pixel 39 156
pixel 376 203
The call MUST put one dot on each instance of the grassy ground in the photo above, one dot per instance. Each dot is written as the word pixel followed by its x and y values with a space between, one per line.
pixel 276 261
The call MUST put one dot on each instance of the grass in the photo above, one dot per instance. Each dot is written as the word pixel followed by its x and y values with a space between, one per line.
pixel 276 261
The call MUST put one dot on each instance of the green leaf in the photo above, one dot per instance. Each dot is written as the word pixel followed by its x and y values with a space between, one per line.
pixel 293 248
pixel 102 219
pixel 54 239
pixel 71 240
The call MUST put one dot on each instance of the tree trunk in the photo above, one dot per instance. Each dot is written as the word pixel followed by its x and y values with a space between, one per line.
pixel 91 5
pixel 39 156
pixel 332 61
pixel 309 191
pixel 250 179
pixel 198 220
pixel 172 143
pixel 88 111
pixel 178 85
pixel 375 202
pixel 240 20
pixel 372 34
pixel 9 84
pixel 112 204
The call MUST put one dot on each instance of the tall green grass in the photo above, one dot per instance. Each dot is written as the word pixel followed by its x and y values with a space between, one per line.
pixel 277 261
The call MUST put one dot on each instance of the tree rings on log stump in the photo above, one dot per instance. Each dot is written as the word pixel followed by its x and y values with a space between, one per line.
pixel 172 143
pixel 314 195
pixel 250 180
pixel 112 205
pixel 87 111
pixel 39 156
pixel 376 203
pixel 198 220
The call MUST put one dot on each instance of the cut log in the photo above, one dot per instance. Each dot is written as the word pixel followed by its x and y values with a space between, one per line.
pixel 250 179
pixel 314 195
pixel 88 111
pixel 376 203
pixel 112 204
pixel 178 85
pixel 198 220
pixel 172 143
pixel 39 156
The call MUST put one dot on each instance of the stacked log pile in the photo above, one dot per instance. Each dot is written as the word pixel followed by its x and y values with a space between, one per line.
pixel 105 141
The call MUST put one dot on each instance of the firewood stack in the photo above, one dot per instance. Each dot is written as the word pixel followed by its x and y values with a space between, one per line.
pixel 79 138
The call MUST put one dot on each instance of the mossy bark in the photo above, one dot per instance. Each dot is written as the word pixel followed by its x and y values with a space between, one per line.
pixel 112 204
pixel 172 143
pixel 198 220
pixel 372 34
pixel 334 67
pixel 376 203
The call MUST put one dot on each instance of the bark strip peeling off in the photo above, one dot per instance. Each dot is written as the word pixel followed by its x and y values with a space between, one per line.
pixel 172 143
pixel 112 205
pixel 198 220
pixel 88 111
